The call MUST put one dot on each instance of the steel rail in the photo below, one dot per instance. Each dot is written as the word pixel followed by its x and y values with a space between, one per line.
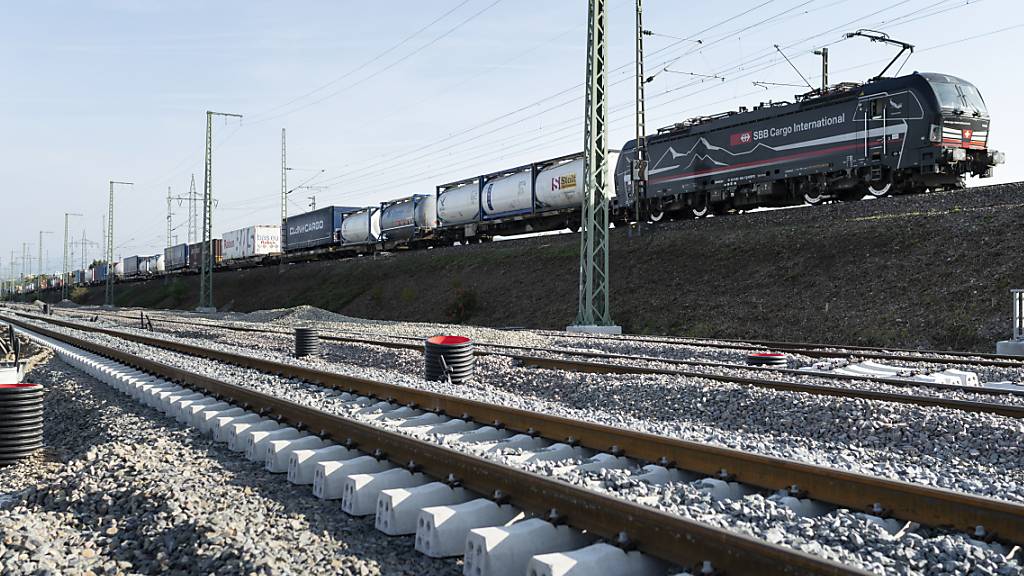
pixel 817 350
pixel 914 502
pixel 1008 410
pixel 819 389
pixel 416 343
pixel 813 350
pixel 673 538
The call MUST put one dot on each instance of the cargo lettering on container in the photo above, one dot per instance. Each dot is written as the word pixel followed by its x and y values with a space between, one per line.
pixel 319 228
pixel 252 241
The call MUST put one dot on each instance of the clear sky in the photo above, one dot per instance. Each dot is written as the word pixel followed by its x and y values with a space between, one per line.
pixel 392 98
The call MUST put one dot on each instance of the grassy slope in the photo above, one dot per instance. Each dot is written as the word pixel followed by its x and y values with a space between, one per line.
pixel 928 271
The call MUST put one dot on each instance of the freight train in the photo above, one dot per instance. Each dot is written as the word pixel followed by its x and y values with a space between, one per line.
pixel 888 136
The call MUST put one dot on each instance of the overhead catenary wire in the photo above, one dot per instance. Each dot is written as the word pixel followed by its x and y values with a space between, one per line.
pixel 908 17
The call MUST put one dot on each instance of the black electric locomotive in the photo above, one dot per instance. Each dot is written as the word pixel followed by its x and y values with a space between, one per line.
pixel 889 136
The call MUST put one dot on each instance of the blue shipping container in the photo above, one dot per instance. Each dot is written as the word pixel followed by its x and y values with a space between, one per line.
pixel 176 257
pixel 314 229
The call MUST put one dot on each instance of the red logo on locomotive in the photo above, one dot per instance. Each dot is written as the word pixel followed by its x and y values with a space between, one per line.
pixel 967 135
pixel 740 138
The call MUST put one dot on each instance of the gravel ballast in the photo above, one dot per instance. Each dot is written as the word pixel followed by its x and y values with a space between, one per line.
pixel 839 535
pixel 122 490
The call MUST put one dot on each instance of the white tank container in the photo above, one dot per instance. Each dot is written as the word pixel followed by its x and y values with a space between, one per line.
pixel 561 186
pixel 459 205
pixel 401 219
pixel 507 194
pixel 361 227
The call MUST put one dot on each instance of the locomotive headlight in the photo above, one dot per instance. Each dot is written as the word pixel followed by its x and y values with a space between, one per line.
pixel 995 158
pixel 935 133
pixel 959 154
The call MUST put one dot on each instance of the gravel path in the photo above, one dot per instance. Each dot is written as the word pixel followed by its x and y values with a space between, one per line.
pixel 122 490
pixel 881 547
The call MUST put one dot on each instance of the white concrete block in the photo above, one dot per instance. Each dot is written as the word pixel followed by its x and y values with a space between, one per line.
pixel 721 490
pixel 279 452
pixel 204 421
pixel 222 425
pixel 805 507
pixel 150 393
pixel 187 412
pixel 553 453
pixel 606 461
pixel 966 378
pixel 520 442
pixel 1010 347
pixel 238 434
pixel 329 476
pixel 595 560
pixel 506 550
pixel 452 427
pixel 425 420
pixel 258 442
pixel 441 530
pixel 360 492
pixel 169 402
pixel 158 396
pixel 398 509
pixel 484 435
pixel 302 463
pixel 175 408
pixel 655 474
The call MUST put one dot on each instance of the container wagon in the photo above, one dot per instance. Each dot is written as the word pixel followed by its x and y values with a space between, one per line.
pixel 259 240
pixel 317 229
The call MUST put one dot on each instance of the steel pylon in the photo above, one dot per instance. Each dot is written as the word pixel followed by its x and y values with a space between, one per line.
pixel 208 253
pixel 593 290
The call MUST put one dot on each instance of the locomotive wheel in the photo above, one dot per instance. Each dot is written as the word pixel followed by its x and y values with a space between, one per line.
pixel 814 197
pixel 656 215
pixel 700 211
pixel 879 189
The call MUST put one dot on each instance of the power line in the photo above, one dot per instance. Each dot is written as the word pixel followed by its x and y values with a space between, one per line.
pixel 380 55
pixel 385 69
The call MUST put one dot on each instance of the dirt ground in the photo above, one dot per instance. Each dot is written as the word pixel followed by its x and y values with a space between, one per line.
pixel 931 271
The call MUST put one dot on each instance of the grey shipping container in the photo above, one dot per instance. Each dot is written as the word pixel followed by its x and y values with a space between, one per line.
pixel 176 257
pixel 131 265
pixel 314 229
pixel 195 253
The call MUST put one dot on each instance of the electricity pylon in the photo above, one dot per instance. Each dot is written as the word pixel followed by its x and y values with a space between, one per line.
pixel 206 266
pixel 593 314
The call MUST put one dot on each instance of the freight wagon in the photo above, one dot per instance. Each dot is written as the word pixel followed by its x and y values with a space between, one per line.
pixel 259 240
pixel 536 197
pixel 176 257
pixel 195 253
pixel 317 229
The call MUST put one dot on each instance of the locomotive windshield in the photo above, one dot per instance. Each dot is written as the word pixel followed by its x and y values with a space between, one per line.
pixel 959 98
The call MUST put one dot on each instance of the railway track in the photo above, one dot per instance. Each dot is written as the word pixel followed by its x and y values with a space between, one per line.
pixel 905 501
pixel 763 376
pixel 679 541
pixel 826 350
pixel 811 350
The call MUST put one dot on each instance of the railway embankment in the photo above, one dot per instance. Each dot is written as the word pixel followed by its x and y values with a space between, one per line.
pixel 931 270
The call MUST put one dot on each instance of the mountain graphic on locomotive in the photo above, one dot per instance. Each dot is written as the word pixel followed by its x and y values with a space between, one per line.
pixel 899 135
